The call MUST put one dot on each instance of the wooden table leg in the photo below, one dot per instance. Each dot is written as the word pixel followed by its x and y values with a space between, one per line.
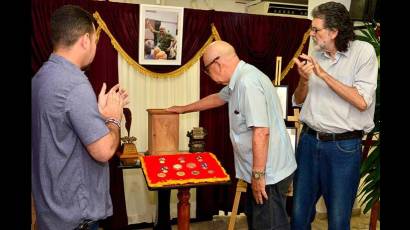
pixel 183 208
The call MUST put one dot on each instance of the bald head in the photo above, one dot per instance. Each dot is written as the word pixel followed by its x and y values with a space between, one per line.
pixel 218 48
pixel 224 56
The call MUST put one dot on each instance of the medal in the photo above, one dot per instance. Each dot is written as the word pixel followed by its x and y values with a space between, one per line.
pixel 191 165
pixel 181 173
pixel 199 158
pixel 204 165
pixel 164 169
pixel 162 160
pixel 177 166
pixel 161 175
pixel 181 160
pixel 195 172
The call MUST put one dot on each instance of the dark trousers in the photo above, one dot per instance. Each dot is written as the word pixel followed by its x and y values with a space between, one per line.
pixel 272 213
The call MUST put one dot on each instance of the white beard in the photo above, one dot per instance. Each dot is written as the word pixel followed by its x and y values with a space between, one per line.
pixel 317 46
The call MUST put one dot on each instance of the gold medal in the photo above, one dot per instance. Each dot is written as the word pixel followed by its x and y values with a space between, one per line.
pixel 191 165
pixel 181 173
pixel 161 175
pixel 195 172
pixel 177 166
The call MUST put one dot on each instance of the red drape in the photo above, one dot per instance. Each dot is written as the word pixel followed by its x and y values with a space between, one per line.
pixel 257 40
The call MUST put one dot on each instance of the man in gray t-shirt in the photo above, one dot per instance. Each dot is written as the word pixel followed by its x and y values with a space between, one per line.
pixel 73 135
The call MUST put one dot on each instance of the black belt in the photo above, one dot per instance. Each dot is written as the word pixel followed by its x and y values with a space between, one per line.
pixel 333 136
pixel 86 224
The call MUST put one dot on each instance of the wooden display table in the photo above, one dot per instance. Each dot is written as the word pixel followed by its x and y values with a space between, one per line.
pixel 182 171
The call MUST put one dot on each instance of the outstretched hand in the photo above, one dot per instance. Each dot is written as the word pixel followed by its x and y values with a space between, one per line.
pixel 175 109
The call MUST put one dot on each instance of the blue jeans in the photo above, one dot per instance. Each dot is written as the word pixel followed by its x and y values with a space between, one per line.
pixel 328 168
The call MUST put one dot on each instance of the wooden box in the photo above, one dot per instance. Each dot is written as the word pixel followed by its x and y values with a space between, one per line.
pixel 163 132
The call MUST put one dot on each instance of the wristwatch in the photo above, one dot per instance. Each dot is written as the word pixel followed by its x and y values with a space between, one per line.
pixel 258 174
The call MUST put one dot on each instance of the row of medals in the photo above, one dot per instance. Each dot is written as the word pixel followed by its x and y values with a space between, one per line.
pixel 191 165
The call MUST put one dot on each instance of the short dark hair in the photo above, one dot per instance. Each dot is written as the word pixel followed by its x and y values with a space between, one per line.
pixel 336 16
pixel 68 23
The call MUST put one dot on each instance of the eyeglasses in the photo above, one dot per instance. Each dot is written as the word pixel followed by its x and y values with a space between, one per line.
pixel 315 30
pixel 206 68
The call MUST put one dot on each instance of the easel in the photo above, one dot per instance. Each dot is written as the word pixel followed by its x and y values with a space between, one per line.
pixel 278 71
pixel 242 185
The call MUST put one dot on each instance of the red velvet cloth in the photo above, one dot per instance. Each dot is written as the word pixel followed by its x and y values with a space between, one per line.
pixel 202 163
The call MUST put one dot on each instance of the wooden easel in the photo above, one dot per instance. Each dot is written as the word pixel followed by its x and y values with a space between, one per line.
pixel 240 187
pixel 278 71
pixel 298 124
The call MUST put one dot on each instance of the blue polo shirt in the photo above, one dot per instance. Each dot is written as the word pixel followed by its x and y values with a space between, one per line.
pixel 253 102
pixel 68 185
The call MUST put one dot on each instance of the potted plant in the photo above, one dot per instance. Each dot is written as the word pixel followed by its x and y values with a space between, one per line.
pixel 370 168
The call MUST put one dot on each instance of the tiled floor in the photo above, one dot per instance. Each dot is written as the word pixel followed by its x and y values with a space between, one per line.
pixel 358 222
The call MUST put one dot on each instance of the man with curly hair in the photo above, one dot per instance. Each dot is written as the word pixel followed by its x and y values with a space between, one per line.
pixel 336 90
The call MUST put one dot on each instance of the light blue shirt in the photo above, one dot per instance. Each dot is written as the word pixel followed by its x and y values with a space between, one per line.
pixel 324 110
pixel 253 102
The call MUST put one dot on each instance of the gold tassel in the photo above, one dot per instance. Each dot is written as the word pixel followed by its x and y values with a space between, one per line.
pixel 140 68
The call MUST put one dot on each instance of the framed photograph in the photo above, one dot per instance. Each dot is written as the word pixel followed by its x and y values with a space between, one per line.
pixel 292 131
pixel 160 35
pixel 283 97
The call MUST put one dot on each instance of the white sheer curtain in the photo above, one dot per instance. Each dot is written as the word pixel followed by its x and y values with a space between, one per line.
pixel 154 93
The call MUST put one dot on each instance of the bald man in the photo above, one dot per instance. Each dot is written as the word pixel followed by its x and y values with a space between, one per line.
pixel 263 152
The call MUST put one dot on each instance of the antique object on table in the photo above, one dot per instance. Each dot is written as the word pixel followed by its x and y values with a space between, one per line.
pixel 196 139
pixel 163 132
pixel 129 155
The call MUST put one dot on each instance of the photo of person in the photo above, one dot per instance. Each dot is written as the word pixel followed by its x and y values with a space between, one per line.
pixel 163 40
pixel 160 42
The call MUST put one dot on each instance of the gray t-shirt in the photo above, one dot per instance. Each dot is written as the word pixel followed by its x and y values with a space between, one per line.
pixel 68 185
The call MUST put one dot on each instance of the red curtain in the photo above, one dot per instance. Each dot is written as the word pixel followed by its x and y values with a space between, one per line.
pixel 257 40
